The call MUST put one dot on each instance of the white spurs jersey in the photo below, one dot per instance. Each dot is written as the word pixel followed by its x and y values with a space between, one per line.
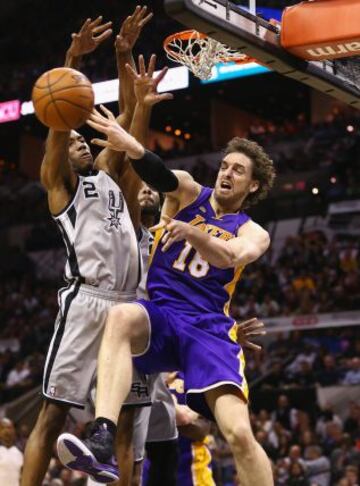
pixel 145 244
pixel 99 236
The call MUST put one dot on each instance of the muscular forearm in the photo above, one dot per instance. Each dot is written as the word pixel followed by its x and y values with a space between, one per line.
pixel 127 100
pixel 131 182
pixel 213 250
pixel 140 123
pixel 55 163
pixel 238 251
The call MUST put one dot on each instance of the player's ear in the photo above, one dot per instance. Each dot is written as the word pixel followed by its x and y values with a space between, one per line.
pixel 254 186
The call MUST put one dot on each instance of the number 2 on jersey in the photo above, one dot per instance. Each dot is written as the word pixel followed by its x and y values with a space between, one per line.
pixel 90 190
pixel 198 267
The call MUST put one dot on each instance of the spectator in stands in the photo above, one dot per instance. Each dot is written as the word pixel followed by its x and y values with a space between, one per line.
pixel 11 458
pixel 18 374
pixel 262 438
pixel 328 422
pixel 352 377
pixel 352 422
pixel 304 377
pixel 351 477
pixel 345 454
pixel 329 373
pixel 269 307
pixel 307 355
pixel 297 475
pixel 317 466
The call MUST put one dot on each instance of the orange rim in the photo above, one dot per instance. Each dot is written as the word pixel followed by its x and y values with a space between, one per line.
pixel 186 35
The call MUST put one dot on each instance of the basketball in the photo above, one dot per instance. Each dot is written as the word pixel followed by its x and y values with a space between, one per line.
pixel 63 98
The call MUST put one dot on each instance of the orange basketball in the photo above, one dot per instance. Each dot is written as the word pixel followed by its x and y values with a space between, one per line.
pixel 63 98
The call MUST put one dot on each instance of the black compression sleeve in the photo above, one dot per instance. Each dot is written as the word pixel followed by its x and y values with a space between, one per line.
pixel 151 169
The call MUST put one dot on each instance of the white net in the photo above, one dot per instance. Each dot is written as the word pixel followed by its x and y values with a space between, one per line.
pixel 200 53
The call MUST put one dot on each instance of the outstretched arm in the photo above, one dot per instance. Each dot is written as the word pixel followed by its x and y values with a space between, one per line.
pixel 178 185
pixel 56 174
pixel 124 43
pixel 109 160
pixel 145 88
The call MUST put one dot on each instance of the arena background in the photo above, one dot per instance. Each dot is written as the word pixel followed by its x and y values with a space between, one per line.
pixel 305 384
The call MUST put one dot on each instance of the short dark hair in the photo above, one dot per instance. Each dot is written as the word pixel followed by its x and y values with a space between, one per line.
pixel 263 169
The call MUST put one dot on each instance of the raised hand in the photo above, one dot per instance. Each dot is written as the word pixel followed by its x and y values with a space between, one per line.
pixel 91 34
pixel 145 85
pixel 246 330
pixel 131 29
pixel 118 139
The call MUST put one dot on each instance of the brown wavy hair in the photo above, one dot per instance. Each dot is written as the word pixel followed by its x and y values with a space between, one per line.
pixel 263 169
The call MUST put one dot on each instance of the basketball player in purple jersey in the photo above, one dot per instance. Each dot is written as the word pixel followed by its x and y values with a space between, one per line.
pixel 202 246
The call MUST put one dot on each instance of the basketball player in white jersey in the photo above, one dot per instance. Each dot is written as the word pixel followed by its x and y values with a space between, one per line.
pixel 104 265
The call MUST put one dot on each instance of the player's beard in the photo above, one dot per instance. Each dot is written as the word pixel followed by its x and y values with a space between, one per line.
pixel 150 210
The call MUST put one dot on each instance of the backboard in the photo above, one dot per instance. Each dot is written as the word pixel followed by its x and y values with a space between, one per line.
pixel 242 30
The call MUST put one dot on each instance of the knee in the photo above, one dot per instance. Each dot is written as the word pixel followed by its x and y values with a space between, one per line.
pixel 240 438
pixel 118 323
pixel 124 323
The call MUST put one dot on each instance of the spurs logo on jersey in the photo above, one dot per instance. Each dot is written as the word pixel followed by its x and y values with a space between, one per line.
pixel 116 208
pixel 109 258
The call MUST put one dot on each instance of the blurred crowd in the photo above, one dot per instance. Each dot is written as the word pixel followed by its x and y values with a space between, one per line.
pixel 23 62
pixel 310 275
pixel 27 313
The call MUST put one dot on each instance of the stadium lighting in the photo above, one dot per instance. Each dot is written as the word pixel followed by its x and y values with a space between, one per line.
pixel 315 190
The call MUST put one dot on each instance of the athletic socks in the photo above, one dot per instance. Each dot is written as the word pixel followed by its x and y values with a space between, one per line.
pixel 107 424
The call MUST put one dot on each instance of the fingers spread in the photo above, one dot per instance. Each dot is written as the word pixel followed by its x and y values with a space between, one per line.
pixel 161 75
pixel 108 113
pixel 85 25
pixel 96 22
pixel 103 36
pixel 158 226
pixel 101 28
pixel 145 20
pixel 131 71
pixel 249 321
pixel 96 126
pixel 152 64
pixel 142 69
pixel 100 120
pixel 100 142
pixel 249 345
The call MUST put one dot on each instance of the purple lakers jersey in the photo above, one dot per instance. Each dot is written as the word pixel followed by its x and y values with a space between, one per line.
pixel 181 278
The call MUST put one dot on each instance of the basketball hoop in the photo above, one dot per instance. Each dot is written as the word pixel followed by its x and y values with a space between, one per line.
pixel 199 52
